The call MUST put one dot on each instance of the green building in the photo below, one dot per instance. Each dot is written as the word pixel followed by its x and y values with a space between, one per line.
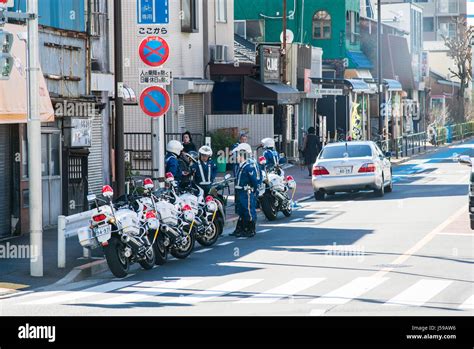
pixel 332 25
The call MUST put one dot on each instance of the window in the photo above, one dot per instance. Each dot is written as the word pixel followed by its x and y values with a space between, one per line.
pixel 352 27
pixel 448 6
pixel 189 16
pixel 221 11
pixel 97 18
pixel 428 24
pixel 349 151
pixel 447 30
pixel 321 25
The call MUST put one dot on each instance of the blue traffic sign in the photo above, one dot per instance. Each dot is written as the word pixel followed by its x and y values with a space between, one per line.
pixel 155 101
pixel 152 11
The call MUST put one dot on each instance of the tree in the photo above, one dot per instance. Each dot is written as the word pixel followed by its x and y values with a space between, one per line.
pixel 460 51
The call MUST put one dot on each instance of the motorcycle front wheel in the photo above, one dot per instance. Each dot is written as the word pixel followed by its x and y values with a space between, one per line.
pixel 184 250
pixel 288 211
pixel 161 251
pixel 149 261
pixel 210 237
pixel 116 260
pixel 268 208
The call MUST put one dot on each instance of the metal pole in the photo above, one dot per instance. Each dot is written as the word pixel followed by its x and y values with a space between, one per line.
pixel 34 145
pixel 284 80
pixel 379 64
pixel 62 242
pixel 119 122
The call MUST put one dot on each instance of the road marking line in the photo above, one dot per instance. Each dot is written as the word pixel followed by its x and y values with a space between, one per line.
pixel 317 312
pixel 225 243
pixel 263 231
pixel 283 291
pixel 468 304
pixel 296 220
pixel 12 286
pixel 242 238
pixel 204 250
pixel 217 291
pixel 457 234
pixel 419 293
pixel 88 292
pixel 348 292
pixel 420 244
pixel 146 290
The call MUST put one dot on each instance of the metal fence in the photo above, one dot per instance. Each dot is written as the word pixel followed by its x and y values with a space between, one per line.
pixel 416 143
pixel 138 151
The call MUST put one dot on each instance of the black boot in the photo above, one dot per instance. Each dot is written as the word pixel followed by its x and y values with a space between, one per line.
pixel 249 229
pixel 238 228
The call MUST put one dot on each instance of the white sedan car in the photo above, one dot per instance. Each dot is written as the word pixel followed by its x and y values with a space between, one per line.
pixel 350 167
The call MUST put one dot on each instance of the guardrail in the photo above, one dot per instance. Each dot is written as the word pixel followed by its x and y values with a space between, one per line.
pixel 416 143
pixel 68 227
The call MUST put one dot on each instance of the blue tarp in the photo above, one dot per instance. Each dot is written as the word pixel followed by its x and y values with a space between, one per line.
pixel 359 60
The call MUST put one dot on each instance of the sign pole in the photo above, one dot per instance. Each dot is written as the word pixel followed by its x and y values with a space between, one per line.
pixel 119 118
pixel 34 145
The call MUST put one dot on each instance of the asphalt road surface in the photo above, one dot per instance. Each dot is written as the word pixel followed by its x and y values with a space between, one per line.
pixel 408 253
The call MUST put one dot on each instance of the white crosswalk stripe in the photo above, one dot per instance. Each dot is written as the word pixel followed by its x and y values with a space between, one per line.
pixel 468 304
pixel 283 291
pixel 214 292
pixel 73 296
pixel 348 292
pixel 148 289
pixel 419 293
pixel 226 243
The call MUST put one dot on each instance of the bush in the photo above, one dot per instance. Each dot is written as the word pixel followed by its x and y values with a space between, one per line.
pixel 221 140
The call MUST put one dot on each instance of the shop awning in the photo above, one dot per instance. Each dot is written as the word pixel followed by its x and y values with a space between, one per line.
pixel 256 91
pixel 358 85
pixel 358 60
pixel 393 85
pixel 13 92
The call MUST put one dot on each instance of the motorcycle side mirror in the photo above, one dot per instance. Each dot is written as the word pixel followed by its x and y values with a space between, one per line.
pixel 227 176
pixel 91 198
pixel 282 155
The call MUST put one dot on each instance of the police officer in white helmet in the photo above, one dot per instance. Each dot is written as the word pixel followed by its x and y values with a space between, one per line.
pixel 205 170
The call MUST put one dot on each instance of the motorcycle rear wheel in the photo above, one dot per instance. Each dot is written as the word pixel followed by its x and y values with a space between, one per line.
pixel 116 260
pixel 161 251
pixel 209 238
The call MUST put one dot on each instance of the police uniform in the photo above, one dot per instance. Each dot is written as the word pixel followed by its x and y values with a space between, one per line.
pixel 247 182
pixel 172 165
pixel 204 174
pixel 272 157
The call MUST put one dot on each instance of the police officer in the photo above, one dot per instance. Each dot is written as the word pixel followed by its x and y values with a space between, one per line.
pixel 172 162
pixel 243 139
pixel 269 152
pixel 205 170
pixel 246 184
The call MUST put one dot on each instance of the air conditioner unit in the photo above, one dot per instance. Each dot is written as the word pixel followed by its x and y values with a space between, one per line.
pixel 219 53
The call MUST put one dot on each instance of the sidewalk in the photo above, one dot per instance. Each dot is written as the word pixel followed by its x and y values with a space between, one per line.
pixel 14 272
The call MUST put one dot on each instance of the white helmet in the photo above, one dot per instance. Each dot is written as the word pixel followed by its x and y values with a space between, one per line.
pixel 205 150
pixel 268 143
pixel 243 147
pixel 174 147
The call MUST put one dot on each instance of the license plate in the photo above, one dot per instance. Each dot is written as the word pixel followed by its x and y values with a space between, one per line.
pixel 102 230
pixel 344 170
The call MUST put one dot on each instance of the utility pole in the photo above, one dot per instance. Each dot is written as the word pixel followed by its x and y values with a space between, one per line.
pixel 284 79
pixel 34 144
pixel 119 119
pixel 379 66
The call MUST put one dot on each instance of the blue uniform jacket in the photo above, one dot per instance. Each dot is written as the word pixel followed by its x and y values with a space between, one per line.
pixel 204 172
pixel 173 166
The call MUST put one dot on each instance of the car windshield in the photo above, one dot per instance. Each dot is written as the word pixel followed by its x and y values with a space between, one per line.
pixel 352 151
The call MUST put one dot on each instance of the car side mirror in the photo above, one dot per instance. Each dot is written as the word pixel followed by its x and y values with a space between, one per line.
pixel 465 159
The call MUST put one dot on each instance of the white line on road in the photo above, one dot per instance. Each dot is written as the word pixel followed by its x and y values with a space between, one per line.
pixel 263 231
pixel 72 296
pixel 348 292
pixel 419 293
pixel 296 220
pixel 468 304
pixel 204 250
pixel 225 243
pixel 147 289
pixel 217 291
pixel 457 234
pixel 283 291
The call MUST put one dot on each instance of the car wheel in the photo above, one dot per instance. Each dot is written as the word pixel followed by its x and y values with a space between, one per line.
pixel 389 187
pixel 380 192
pixel 472 225
pixel 319 195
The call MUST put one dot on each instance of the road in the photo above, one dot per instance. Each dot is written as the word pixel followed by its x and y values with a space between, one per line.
pixel 408 253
